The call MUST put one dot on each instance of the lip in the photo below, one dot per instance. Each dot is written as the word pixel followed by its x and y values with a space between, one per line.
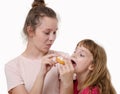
pixel 48 45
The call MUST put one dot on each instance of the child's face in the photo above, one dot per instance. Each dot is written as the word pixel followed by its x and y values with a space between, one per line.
pixel 83 58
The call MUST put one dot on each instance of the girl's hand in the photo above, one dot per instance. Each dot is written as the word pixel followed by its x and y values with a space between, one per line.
pixel 47 63
pixel 66 71
pixel 66 77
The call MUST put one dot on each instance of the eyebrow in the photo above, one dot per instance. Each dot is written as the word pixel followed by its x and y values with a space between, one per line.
pixel 51 29
pixel 81 50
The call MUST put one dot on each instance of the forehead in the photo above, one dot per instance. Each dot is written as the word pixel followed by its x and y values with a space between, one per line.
pixel 49 21
pixel 83 49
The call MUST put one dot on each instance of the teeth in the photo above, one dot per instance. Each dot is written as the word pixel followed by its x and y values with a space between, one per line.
pixel 74 76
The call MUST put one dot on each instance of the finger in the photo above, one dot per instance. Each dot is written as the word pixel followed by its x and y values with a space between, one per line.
pixel 68 65
pixel 52 62
pixel 60 68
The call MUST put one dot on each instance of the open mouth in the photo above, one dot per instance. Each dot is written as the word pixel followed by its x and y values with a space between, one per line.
pixel 73 62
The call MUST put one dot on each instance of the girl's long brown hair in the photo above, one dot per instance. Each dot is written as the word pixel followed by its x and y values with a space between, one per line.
pixel 100 75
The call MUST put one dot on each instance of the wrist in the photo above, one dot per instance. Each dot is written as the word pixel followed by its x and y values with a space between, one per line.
pixel 67 84
pixel 42 74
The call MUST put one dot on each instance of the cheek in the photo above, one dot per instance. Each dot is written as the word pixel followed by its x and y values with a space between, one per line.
pixel 39 39
pixel 54 36
pixel 82 66
pixel 42 37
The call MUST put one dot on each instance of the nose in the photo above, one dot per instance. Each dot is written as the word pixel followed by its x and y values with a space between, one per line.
pixel 73 55
pixel 52 37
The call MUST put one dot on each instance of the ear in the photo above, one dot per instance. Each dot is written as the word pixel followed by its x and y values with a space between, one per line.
pixel 30 31
pixel 91 67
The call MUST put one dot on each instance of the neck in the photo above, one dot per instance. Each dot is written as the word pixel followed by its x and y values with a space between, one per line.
pixel 81 78
pixel 33 53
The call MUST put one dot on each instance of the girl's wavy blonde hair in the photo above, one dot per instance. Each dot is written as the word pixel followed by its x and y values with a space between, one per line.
pixel 100 75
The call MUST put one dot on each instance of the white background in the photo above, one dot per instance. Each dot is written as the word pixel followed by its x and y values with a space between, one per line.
pixel 79 19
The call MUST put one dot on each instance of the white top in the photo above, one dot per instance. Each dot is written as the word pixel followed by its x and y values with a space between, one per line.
pixel 22 70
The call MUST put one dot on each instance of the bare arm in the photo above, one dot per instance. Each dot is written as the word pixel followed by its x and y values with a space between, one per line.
pixel 66 89
pixel 36 89
pixel 66 78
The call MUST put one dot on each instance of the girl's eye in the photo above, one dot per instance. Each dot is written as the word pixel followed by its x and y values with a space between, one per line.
pixel 54 32
pixel 81 55
pixel 47 33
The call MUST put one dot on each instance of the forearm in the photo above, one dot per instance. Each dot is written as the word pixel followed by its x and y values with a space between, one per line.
pixel 36 89
pixel 38 85
pixel 66 88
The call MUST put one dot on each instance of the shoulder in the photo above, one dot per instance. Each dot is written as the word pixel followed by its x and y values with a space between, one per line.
pixel 13 62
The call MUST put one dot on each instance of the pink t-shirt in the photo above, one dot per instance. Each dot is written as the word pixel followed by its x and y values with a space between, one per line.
pixel 24 71
pixel 88 90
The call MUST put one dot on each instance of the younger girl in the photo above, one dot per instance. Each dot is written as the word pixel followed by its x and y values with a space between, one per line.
pixel 90 66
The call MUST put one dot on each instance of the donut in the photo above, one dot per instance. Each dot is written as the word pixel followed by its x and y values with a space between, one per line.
pixel 60 60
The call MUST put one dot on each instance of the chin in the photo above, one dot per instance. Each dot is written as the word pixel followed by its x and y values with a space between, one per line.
pixel 45 51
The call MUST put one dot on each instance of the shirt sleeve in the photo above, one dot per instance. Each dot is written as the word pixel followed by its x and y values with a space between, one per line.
pixel 13 76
